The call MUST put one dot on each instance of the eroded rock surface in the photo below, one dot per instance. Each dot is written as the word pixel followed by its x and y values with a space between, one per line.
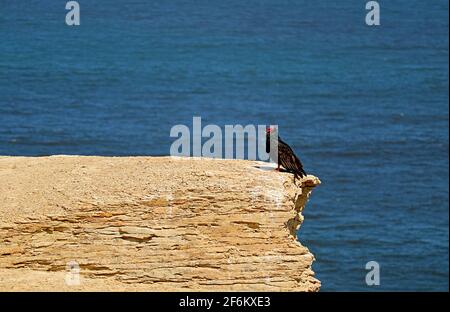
pixel 151 223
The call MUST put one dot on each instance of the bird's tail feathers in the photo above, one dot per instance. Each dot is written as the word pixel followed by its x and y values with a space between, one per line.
pixel 303 173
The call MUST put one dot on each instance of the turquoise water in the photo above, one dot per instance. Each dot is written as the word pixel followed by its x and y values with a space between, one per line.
pixel 364 107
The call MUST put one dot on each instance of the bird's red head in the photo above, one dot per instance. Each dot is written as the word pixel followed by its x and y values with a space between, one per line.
pixel 270 129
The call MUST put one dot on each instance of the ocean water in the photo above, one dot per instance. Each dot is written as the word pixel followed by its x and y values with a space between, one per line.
pixel 365 108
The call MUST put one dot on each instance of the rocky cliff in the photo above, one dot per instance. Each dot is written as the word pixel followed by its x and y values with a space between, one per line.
pixel 151 223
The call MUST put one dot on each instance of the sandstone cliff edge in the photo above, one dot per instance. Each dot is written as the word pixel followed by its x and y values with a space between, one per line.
pixel 79 223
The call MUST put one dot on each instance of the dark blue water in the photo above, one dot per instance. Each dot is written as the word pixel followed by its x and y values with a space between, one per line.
pixel 364 107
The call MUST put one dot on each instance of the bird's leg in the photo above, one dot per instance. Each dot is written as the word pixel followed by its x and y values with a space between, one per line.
pixel 278 168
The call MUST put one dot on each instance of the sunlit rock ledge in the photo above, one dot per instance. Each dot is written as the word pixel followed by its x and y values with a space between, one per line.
pixel 151 224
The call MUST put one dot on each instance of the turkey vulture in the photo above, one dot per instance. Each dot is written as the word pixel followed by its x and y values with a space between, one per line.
pixel 286 157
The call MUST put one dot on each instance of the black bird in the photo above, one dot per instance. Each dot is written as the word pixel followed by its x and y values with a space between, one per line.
pixel 286 157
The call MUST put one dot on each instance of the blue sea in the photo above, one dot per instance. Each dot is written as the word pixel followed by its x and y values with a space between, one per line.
pixel 365 107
